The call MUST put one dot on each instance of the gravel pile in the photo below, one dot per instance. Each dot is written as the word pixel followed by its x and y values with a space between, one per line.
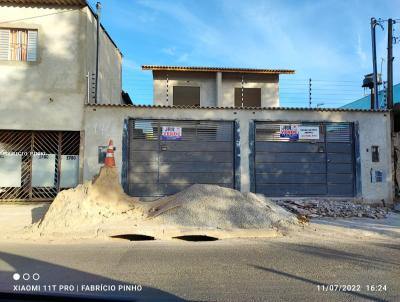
pixel 331 208
pixel 211 206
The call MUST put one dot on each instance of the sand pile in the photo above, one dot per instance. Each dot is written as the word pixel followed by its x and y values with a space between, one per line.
pixel 102 207
pixel 211 206
pixel 89 205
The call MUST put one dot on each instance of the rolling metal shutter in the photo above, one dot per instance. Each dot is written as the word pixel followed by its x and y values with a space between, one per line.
pixel 204 153
pixel 304 167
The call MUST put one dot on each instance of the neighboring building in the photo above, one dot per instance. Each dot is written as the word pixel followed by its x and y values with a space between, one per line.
pixel 216 86
pixel 48 65
pixel 365 102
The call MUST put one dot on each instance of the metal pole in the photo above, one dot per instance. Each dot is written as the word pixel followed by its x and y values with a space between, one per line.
pixel 373 25
pixel 389 90
pixel 309 93
pixel 372 98
pixel 88 88
pixel 242 91
pixel 385 100
pixel 98 12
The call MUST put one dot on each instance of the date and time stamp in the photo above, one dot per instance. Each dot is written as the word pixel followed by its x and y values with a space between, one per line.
pixel 27 277
pixel 352 287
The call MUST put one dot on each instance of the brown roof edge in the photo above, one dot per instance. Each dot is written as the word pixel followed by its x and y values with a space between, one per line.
pixel 241 108
pixel 217 69
pixel 45 2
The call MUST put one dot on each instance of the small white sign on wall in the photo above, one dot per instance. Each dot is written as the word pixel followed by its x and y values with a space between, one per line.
pixel 10 170
pixel 69 171
pixel 43 170
pixel 309 132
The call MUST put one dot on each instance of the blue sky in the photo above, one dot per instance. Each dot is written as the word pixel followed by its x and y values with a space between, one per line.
pixel 328 41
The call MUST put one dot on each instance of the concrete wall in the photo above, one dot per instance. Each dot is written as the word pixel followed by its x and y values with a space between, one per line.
pixel 49 94
pixel 110 62
pixel 207 81
pixel 268 83
pixel 102 123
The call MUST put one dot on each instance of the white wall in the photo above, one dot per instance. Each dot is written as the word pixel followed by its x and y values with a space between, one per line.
pixel 110 62
pixel 207 81
pixel 103 123
pixel 49 94
pixel 267 83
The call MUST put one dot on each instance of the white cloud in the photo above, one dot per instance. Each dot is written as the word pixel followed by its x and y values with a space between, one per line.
pixel 169 51
pixel 360 52
pixel 323 39
pixel 130 65
pixel 183 57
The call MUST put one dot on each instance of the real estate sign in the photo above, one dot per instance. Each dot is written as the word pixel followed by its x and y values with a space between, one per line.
pixel 295 132
pixel 289 131
pixel 171 133
pixel 309 132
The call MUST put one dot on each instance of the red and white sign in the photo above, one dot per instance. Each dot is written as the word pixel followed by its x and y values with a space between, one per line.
pixel 171 133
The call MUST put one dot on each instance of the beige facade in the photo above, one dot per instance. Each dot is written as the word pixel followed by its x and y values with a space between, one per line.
pixel 105 122
pixel 217 89
pixel 49 93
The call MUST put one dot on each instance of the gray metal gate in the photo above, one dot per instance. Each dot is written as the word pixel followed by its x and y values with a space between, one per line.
pixel 163 164
pixel 287 165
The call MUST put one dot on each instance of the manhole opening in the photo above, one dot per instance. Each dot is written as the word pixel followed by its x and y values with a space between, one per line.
pixel 196 238
pixel 134 237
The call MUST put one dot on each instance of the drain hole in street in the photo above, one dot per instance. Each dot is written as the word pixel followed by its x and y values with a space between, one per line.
pixel 134 237
pixel 196 238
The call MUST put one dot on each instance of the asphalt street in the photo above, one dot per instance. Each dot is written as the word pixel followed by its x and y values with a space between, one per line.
pixel 280 269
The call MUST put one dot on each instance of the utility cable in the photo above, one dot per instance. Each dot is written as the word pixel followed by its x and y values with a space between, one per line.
pixel 46 15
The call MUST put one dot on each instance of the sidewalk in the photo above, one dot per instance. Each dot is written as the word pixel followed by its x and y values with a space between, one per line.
pixel 16 216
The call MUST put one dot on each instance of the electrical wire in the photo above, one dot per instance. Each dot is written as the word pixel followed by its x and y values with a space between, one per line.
pixel 46 15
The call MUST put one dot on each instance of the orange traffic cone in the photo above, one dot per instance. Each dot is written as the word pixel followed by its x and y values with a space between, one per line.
pixel 110 161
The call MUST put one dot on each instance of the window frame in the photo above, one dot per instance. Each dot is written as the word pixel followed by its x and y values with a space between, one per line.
pixel 29 48
pixel 198 88
pixel 238 95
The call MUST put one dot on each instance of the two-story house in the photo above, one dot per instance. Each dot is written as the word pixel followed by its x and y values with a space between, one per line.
pixel 216 86
pixel 48 51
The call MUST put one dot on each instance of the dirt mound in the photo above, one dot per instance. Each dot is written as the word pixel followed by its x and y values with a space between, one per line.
pixel 101 206
pixel 211 206
pixel 89 205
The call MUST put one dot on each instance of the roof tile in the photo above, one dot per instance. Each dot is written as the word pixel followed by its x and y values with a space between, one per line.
pixel 240 108
pixel 217 69
pixel 46 2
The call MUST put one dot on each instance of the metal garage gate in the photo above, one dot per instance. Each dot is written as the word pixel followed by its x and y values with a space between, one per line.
pixel 304 159
pixel 166 156
pixel 36 165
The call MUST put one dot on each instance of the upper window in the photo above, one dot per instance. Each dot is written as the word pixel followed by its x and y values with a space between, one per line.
pixel 186 96
pixel 248 97
pixel 18 44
